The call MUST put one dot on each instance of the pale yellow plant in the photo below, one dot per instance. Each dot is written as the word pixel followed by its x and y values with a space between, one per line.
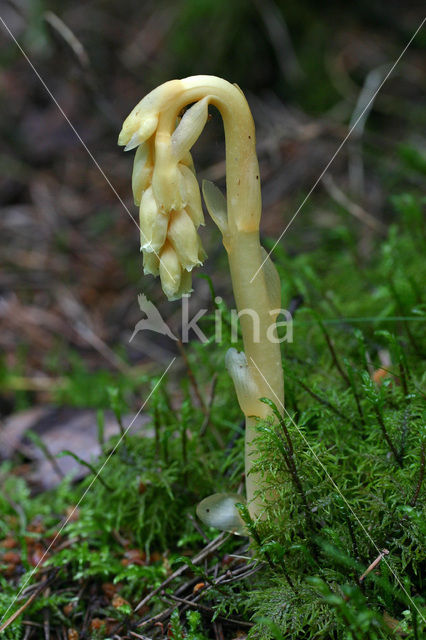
pixel 166 189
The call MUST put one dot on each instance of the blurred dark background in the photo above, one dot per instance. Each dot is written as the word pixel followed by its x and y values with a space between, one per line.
pixel 70 263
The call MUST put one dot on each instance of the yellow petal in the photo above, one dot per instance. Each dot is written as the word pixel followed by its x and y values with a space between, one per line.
pixel 183 238
pixel 185 287
pixel 135 132
pixel 151 263
pixel 142 171
pixel 192 196
pixel 170 271
pixel 167 181
pixel 142 121
pixel 153 223
pixel 189 128
pixel 202 255
pixel 188 161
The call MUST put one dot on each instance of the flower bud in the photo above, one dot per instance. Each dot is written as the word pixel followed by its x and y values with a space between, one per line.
pixel 153 223
pixel 142 121
pixel 167 181
pixel 142 171
pixel 192 197
pixel 187 161
pixel 170 271
pixel 202 255
pixel 189 128
pixel 167 185
pixel 151 263
pixel 184 239
pixel 135 132
pixel 185 285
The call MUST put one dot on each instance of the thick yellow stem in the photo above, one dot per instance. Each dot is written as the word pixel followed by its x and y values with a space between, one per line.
pixel 256 305
pixel 263 355
pixel 257 312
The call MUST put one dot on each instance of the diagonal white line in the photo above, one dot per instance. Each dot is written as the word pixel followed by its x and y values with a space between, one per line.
pixel 83 496
pixel 339 492
pixel 78 136
pixel 339 148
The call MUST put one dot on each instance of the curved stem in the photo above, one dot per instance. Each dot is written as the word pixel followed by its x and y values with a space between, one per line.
pixel 256 307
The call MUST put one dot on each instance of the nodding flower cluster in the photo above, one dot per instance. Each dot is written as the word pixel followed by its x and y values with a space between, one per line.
pixel 165 187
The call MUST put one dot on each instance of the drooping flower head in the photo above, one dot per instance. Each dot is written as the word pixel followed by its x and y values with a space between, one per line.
pixel 165 187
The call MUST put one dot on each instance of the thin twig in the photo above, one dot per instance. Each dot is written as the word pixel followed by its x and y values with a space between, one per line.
pixel 290 462
pixel 158 618
pixel 387 437
pixel 210 548
pixel 197 527
pixel 46 619
pixel 40 444
pixel 400 306
pixel 28 631
pixel 191 377
pixel 354 209
pixel 325 402
pixel 89 336
pixel 404 430
pixel 218 630
pixel 332 350
pixel 138 635
pixel 240 573
pixel 421 476
pixel 374 564
pixel 280 40
pixel 210 610
pixel 403 377
pixel 206 420
pixel 235 577
pixel 31 599
pixel 361 112
pixel 68 36
pixel 352 536
pixel 340 369
pixel 16 507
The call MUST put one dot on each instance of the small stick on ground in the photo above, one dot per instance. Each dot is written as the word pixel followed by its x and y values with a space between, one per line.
pixel 218 630
pixel 197 527
pixel 31 599
pixel 46 619
pixel 210 610
pixel 374 564
pixel 210 548
pixel 138 635
pixel 28 632
pixel 155 619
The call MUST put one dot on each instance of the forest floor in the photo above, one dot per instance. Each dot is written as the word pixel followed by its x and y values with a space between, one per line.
pixel 107 444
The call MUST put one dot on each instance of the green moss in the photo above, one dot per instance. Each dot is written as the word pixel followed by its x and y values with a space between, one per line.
pixel 344 464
